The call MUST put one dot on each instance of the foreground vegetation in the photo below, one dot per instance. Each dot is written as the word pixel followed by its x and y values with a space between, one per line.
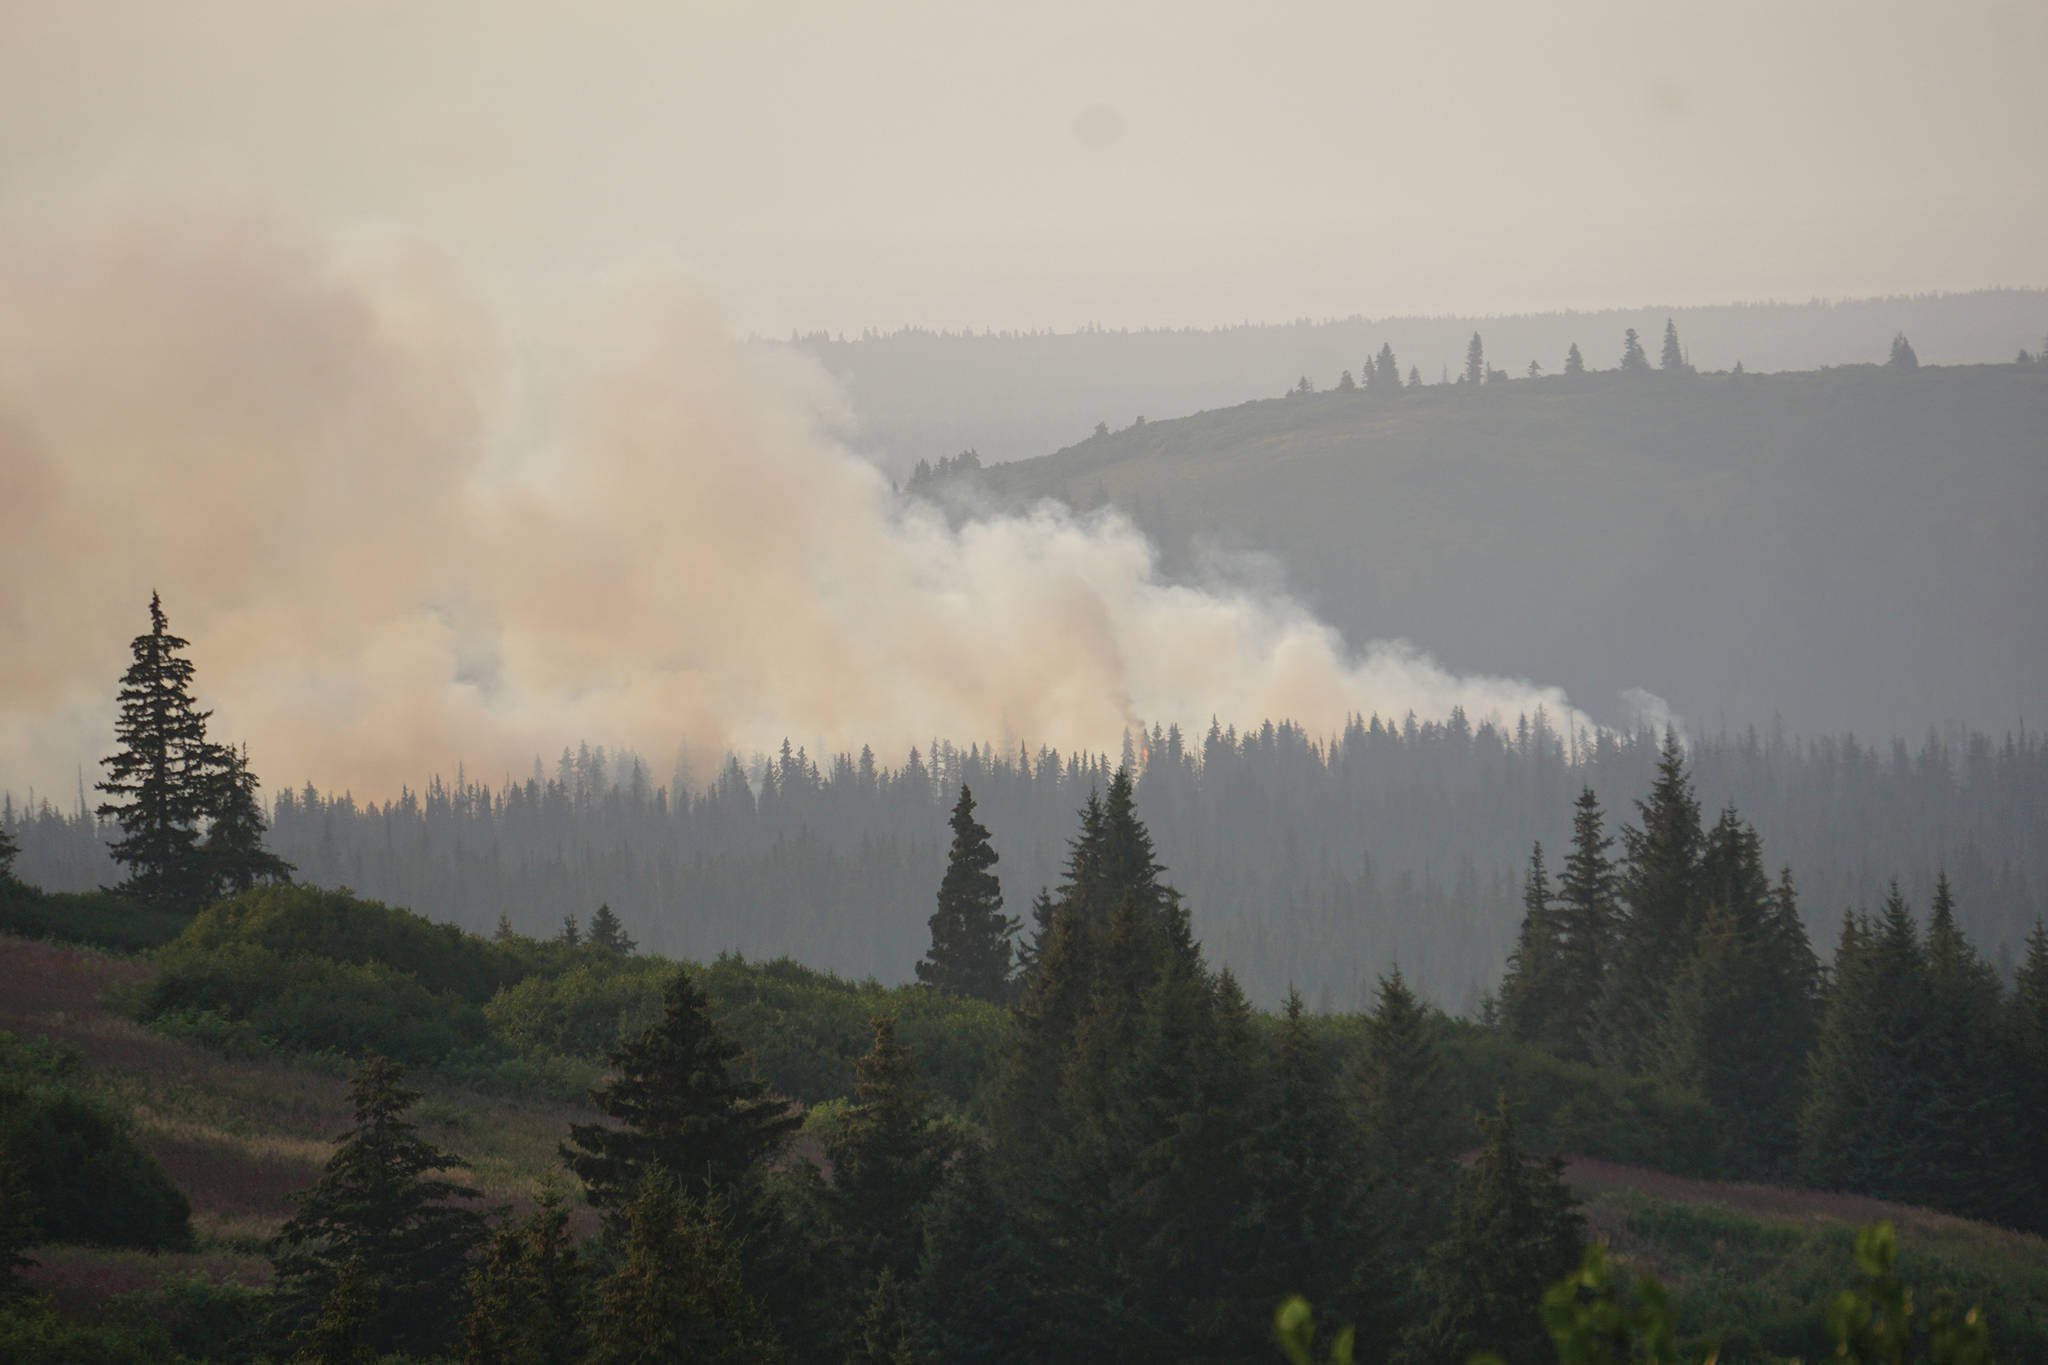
pixel 247 1117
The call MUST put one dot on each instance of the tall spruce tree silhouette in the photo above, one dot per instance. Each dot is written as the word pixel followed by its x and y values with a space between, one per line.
pixel 157 781
pixel 1634 360
pixel 1672 361
pixel 971 949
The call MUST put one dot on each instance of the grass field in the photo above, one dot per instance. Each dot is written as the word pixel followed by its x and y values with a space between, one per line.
pixel 237 1135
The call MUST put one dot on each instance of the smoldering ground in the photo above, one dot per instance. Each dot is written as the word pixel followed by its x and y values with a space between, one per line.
pixel 402 528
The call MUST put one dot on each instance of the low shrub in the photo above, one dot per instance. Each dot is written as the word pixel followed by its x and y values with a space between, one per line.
pixel 1583 1110
pixel 242 995
pixel 87 1179
pixel 32 1334
pixel 337 926
pixel 99 919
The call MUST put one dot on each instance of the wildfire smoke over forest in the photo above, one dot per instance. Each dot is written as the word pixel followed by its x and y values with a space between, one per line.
pixel 397 533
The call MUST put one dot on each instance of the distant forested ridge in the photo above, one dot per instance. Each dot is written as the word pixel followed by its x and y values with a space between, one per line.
pixel 1317 862
pixel 1855 549
pixel 922 394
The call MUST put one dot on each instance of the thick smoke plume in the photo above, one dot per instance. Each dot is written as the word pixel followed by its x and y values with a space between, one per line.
pixel 400 533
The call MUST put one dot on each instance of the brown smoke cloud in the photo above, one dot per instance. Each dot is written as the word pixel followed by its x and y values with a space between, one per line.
pixel 399 534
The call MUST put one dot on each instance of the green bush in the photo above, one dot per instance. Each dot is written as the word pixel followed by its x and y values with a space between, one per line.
pixel 1583 1110
pixel 97 918
pixel 304 921
pixel 584 1011
pixel 803 1029
pixel 31 1334
pixel 225 992
pixel 89 1181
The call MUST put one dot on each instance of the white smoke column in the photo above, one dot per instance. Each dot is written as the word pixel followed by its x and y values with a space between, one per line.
pixel 389 557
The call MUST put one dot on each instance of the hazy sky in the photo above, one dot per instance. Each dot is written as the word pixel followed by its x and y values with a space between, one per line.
pixel 1047 164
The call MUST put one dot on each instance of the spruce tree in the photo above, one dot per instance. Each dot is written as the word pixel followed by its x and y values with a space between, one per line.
pixel 1407 1137
pixel 1312 1226
pixel 676 1296
pixel 1043 910
pixel 682 1108
pixel 1475 360
pixel 887 1333
pixel 1180 1128
pixel 608 934
pixel 974 1285
pixel 1857 1128
pixel 1659 891
pixel 1028 1099
pixel 1966 1108
pixel 232 859
pixel 1633 358
pixel 1383 373
pixel 970 952
pixel 9 851
pixel 888 1160
pixel 2027 1049
pixel 1902 356
pixel 379 1203
pixel 1588 920
pixel 525 1297
pixel 1535 1006
pixel 1738 1020
pixel 1672 361
pixel 1127 868
pixel 334 1336
pixel 1516 1230
pixel 157 781
pixel 1574 363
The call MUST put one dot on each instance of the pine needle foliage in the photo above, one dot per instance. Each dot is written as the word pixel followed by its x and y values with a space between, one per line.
pixel 1516 1230
pixel 888 1160
pixel 526 1296
pixel 970 952
pixel 156 781
pixel 380 1203
pixel 676 1296
pixel 683 1106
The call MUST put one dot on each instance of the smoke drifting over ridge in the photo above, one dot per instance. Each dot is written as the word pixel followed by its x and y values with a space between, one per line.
pixel 400 534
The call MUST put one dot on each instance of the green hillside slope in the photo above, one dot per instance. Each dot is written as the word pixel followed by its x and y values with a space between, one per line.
pixel 1843 549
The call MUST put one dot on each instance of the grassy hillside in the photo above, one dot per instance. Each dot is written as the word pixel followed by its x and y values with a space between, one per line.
pixel 239 1135
pixel 1843 549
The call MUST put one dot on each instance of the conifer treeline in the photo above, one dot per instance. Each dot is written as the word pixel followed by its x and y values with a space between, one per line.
pixel 1908 1072
pixel 1317 863
pixel 1154 1172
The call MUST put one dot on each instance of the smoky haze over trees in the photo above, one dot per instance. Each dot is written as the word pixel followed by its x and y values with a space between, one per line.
pixel 1304 861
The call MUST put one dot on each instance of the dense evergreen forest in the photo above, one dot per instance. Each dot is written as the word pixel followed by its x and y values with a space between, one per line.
pixel 1075 1138
pixel 1311 862
pixel 1141 1168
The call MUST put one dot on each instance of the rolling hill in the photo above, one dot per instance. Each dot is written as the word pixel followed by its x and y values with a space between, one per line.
pixel 1853 549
